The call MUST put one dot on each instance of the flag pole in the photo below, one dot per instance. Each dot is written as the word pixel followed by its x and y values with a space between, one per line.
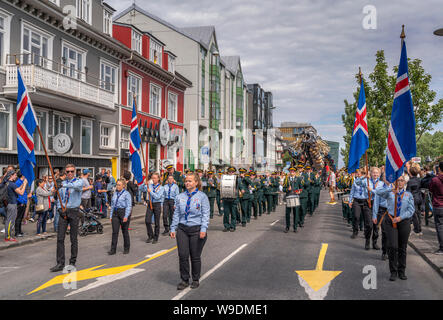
pixel 402 37
pixel 143 154
pixel 17 62
pixel 366 152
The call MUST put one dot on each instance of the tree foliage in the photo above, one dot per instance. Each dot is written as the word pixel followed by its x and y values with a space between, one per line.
pixel 379 92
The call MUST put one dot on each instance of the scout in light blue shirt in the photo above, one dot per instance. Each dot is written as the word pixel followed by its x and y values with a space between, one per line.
pixel 378 201
pixel 198 212
pixel 359 189
pixel 405 201
pixel 171 191
pixel 157 193
pixel 71 191
pixel 121 200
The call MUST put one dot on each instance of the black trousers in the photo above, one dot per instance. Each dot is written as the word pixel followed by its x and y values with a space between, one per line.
pixel 189 245
pixel 21 208
pixel 416 219
pixel 117 222
pixel 376 228
pixel 72 217
pixel 397 243
pixel 168 213
pixel 156 212
pixel 361 206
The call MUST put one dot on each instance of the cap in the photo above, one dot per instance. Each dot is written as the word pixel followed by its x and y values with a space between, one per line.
pixel 199 170
pixel 210 172
pixel 292 169
pixel 169 166
pixel 232 169
pixel 242 170
pixel 86 171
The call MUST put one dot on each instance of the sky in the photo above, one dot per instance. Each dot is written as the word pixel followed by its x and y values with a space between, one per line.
pixel 307 52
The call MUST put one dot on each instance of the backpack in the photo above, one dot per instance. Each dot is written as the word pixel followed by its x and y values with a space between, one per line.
pixel 4 194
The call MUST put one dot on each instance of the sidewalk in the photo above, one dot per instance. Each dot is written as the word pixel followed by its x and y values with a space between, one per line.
pixel 426 244
pixel 30 230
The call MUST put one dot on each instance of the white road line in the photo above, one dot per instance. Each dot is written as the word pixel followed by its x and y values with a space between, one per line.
pixel 207 274
pixel 274 222
pixel 156 253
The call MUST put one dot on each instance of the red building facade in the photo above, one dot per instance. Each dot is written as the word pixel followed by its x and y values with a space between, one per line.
pixel 158 90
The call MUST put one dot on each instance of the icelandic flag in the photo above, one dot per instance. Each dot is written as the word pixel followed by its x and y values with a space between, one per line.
pixel 26 124
pixel 401 137
pixel 360 136
pixel 134 147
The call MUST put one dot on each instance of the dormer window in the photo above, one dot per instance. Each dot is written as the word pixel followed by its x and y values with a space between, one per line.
pixel 156 51
pixel 107 22
pixel 137 42
pixel 84 10
pixel 171 63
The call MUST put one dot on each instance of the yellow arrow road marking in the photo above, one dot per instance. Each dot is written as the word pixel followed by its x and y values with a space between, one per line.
pixel 92 273
pixel 318 278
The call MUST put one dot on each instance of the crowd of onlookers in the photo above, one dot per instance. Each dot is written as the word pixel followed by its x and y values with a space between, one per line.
pixel 36 203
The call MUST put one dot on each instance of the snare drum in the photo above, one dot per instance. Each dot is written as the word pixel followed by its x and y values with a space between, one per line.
pixel 292 201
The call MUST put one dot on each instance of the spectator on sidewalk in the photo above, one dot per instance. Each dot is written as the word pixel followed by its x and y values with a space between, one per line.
pixel 86 194
pixel 413 186
pixel 100 196
pixel 110 186
pixel 436 189
pixel 43 205
pixel 11 209
pixel 22 200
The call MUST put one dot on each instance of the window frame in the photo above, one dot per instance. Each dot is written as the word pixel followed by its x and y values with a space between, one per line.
pixel 43 34
pixel 124 140
pixel 175 116
pixel 81 135
pixel 116 70
pixel 6 36
pixel 81 15
pixel 136 44
pixel 64 115
pixel 44 131
pixel 151 86
pixel 139 94
pixel 10 124
pixel 111 136
pixel 107 14
pixel 78 50
pixel 153 46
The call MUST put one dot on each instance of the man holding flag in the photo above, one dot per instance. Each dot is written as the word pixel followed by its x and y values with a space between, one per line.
pixel 358 198
pixel 134 147
pixel 401 148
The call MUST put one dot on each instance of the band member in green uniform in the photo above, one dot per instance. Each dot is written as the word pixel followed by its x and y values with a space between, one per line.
pixel 243 195
pixel 268 191
pixel 310 188
pixel 229 210
pixel 255 187
pixel 275 186
pixel 217 199
pixel 177 177
pixel 317 189
pixel 261 202
pixel 304 186
pixel 291 187
pixel 209 186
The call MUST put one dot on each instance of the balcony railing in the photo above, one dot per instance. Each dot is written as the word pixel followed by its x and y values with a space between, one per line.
pixel 42 76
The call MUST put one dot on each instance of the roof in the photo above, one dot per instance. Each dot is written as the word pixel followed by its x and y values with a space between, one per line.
pixel 139 31
pixel 231 63
pixel 202 34
pixel 191 34
pixel 294 125
pixel 107 6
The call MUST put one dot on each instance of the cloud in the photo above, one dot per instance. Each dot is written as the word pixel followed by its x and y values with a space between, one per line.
pixel 307 52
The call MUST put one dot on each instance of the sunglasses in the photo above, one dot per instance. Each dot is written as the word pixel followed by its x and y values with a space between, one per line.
pixel 70 171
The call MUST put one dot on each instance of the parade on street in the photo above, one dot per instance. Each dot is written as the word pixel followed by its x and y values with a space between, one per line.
pixel 220 159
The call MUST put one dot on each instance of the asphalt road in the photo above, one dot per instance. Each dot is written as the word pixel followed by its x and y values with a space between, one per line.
pixel 255 262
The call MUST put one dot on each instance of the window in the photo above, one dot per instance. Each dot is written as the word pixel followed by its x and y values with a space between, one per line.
pixel 86 142
pixel 73 60
pixel 107 22
pixel 84 10
pixel 107 76
pixel 155 100
pixel 136 41
pixel 4 36
pixel 107 136
pixel 36 47
pixel 62 124
pixel 134 90
pixel 42 118
pixel 5 125
pixel 156 51
pixel 172 106
pixel 124 139
pixel 171 64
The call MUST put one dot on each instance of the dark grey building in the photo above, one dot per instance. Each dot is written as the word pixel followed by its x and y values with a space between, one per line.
pixel 70 65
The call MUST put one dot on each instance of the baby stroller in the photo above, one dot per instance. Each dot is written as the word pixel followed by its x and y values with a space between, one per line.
pixel 91 224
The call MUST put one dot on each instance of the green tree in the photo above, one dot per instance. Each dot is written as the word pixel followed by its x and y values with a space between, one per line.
pixel 430 145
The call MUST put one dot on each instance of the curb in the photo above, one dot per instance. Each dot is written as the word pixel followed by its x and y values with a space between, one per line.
pixel 49 236
pixel 425 258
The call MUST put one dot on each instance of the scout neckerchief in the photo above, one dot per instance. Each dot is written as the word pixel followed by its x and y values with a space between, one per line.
pixel 156 187
pixel 399 199
pixel 118 197
pixel 67 193
pixel 188 203
pixel 169 191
